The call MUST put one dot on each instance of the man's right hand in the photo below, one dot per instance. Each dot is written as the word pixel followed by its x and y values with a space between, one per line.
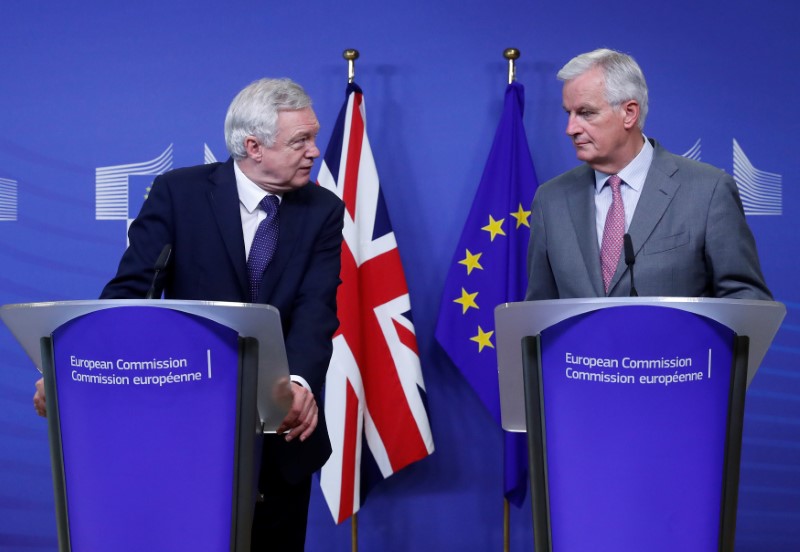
pixel 38 399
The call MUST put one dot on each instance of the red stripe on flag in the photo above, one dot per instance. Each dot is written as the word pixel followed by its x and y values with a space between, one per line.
pixel 406 337
pixel 347 304
pixel 353 157
pixel 349 465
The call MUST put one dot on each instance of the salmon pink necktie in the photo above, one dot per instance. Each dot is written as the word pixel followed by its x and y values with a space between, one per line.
pixel 613 232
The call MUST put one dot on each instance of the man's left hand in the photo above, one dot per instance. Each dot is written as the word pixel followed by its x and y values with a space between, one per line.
pixel 39 402
pixel 302 417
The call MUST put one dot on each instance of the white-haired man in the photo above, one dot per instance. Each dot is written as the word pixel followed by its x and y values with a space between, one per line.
pixel 211 215
pixel 685 219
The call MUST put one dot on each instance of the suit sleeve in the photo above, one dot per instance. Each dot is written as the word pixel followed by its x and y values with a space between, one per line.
pixel 730 248
pixel 541 282
pixel 147 236
pixel 312 318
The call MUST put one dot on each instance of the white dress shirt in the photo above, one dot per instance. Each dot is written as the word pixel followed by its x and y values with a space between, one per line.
pixel 633 177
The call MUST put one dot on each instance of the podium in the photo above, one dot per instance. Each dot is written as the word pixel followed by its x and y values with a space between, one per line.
pixel 634 411
pixel 155 412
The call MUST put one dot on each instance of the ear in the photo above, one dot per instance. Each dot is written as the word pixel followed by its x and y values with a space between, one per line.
pixel 252 148
pixel 630 114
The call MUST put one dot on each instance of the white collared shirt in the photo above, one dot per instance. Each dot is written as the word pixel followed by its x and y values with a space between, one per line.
pixel 250 195
pixel 633 177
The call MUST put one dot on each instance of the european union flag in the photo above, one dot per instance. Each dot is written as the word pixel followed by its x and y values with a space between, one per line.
pixel 489 268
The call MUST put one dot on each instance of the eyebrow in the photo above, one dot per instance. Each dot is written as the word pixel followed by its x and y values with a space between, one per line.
pixel 297 137
pixel 581 106
pixel 301 133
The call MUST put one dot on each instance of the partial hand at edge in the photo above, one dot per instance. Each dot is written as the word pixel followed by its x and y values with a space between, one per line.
pixel 301 421
pixel 39 402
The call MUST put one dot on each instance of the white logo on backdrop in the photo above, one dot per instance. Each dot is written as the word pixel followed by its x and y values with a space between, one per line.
pixel 694 151
pixel 111 185
pixel 208 155
pixel 761 191
pixel 8 199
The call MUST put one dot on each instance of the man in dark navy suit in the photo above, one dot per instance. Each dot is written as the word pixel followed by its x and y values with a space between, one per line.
pixel 210 215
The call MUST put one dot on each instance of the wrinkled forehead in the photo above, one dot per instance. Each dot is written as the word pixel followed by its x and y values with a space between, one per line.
pixel 584 91
pixel 298 121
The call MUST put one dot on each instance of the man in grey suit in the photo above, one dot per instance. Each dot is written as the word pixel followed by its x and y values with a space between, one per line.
pixel 685 219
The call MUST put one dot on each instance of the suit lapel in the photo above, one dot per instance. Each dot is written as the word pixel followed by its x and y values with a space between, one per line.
pixel 580 201
pixel 657 193
pixel 224 198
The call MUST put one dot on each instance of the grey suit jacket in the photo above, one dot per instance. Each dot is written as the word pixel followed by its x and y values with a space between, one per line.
pixel 689 234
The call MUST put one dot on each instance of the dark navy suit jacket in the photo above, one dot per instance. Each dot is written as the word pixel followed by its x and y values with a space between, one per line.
pixel 196 210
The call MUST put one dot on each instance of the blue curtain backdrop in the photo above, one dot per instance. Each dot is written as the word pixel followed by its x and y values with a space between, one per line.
pixel 88 88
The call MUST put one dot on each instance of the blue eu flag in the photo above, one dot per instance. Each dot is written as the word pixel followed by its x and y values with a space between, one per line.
pixel 488 269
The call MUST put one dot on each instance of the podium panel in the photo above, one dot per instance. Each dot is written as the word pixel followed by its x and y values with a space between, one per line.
pixel 156 411
pixel 635 406
pixel 634 410
pixel 145 408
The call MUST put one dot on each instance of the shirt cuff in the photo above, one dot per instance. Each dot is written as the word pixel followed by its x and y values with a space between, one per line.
pixel 300 380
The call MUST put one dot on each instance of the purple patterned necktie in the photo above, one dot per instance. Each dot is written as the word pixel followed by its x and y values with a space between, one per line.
pixel 264 244
pixel 612 232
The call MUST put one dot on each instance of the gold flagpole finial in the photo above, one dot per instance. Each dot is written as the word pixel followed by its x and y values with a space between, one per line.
pixel 511 54
pixel 351 56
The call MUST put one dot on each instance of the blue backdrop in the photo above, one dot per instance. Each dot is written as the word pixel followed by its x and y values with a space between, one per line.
pixel 88 90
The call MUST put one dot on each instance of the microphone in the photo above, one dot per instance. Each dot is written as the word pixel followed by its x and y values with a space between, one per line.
pixel 630 259
pixel 161 264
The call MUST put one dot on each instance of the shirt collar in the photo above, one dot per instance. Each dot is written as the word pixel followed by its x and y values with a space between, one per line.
pixel 634 173
pixel 250 194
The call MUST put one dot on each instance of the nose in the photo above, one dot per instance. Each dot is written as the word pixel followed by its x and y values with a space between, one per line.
pixel 573 127
pixel 312 150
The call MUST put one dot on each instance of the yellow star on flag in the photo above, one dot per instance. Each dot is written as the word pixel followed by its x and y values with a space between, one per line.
pixel 483 339
pixel 495 227
pixel 471 261
pixel 522 216
pixel 467 300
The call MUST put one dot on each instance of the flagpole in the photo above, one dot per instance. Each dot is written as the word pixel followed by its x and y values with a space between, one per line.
pixel 512 55
pixel 354 533
pixel 506 526
pixel 351 55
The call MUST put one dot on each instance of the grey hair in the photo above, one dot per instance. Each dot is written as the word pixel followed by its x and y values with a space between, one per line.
pixel 623 76
pixel 254 112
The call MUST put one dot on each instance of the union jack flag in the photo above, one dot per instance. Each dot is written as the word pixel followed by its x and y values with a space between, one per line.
pixel 374 393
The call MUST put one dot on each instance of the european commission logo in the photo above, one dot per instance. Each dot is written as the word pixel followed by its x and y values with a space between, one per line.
pixel 120 190
pixel 208 155
pixel 761 191
pixel 8 199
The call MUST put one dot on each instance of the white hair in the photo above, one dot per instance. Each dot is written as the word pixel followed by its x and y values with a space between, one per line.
pixel 254 112
pixel 623 77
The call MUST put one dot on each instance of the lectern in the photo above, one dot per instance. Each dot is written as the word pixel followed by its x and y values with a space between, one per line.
pixel 634 411
pixel 155 412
